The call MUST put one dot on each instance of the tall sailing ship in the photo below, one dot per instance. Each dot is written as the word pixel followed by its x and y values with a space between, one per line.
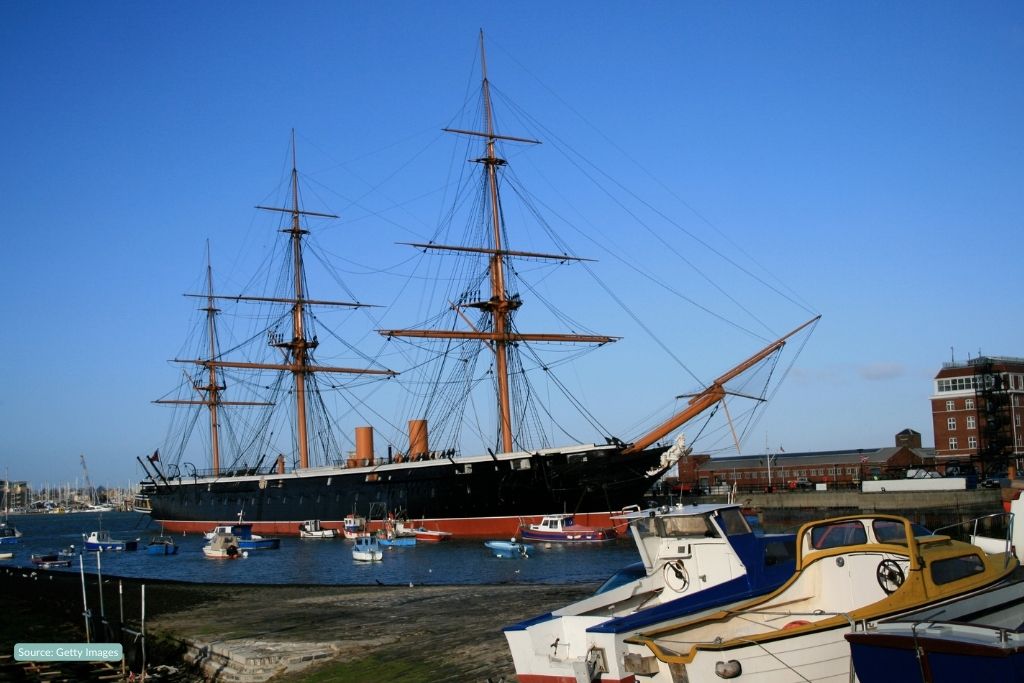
pixel 487 494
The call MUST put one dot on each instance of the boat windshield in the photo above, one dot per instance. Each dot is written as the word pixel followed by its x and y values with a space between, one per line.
pixel 733 522
pixel 677 526
pixel 627 574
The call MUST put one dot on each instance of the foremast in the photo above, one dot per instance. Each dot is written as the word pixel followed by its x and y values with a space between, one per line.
pixel 296 352
pixel 501 306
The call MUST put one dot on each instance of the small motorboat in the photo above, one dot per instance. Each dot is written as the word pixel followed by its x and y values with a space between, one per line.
pixel 9 534
pixel 51 560
pixel 311 529
pixel 692 558
pixel 430 535
pixel 101 540
pixel 849 570
pixel 247 540
pixel 397 541
pixel 509 549
pixel 564 529
pixel 367 549
pixel 224 547
pixel 161 545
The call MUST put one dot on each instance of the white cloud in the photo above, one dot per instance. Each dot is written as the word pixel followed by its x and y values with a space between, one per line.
pixel 881 371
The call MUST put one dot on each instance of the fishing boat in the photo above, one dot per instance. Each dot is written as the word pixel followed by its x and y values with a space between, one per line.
pixel 977 637
pixel 311 528
pixel 224 547
pixel 510 549
pixel 850 571
pixel 694 558
pixel 101 540
pixel 161 545
pixel 354 525
pixel 367 549
pixel 510 473
pixel 564 529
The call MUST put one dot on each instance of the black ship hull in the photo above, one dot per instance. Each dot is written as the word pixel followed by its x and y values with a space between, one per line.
pixel 479 496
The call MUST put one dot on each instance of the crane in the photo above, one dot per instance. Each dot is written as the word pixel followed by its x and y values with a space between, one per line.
pixel 88 484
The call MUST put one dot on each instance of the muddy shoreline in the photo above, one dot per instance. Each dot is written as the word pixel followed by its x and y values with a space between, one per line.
pixel 252 633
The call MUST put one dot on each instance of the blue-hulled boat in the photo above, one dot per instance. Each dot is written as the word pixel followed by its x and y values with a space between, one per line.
pixel 8 534
pixel 161 545
pixel 979 636
pixel 101 540
pixel 510 549
pixel 693 558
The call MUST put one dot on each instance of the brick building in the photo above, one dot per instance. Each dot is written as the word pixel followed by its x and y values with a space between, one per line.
pixel 836 469
pixel 977 410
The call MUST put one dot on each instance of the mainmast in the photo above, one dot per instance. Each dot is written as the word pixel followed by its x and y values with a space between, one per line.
pixel 297 351
pixel 500 306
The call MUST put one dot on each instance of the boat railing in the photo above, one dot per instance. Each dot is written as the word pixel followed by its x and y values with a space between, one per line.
pixel 972 531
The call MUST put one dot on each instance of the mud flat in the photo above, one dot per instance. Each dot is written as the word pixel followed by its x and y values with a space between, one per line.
pixel 252 633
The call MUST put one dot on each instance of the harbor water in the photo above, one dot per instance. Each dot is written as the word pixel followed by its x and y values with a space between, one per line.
pixel 312 561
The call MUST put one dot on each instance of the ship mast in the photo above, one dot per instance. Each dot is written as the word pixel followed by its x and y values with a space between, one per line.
pixel 297 350
pixel 212 389
pixel 500 305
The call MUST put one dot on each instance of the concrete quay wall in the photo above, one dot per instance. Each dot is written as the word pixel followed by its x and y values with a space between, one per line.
pixel 981 501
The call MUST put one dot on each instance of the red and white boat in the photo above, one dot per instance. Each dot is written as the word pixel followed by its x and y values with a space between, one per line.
pixel 564 529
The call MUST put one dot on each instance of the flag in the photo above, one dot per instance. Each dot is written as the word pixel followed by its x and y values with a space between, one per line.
pixel 863 459
pixel 155 456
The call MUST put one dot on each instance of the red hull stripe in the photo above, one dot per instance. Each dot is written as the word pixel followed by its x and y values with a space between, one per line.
pixel 460 527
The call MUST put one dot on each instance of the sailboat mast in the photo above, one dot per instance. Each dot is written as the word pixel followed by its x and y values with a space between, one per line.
pixel 501 306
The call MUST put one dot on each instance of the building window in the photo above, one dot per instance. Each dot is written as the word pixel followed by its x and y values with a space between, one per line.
pixel 972 442
pixel 952 443
pixel 950 405
pixel 956 384
pixel 969 404
pixel 1016 420
pixel 951 424
pixel 972 422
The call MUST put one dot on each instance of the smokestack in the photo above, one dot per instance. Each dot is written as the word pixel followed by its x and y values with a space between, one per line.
pixel 364 445
pixel 418 444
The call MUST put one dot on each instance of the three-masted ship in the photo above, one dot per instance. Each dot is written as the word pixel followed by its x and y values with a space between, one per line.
pixel 487 494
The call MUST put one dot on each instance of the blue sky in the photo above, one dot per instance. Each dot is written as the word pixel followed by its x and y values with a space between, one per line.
pixel 868 155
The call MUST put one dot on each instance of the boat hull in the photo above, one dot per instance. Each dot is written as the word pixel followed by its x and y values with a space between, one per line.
pixel 111 545
pixel 161 549
pixel 469 497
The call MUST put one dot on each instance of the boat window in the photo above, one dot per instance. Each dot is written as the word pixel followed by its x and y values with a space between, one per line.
pixel 955 568
pixel 889 531
pixel 683 526
pixel 777 552
pixel 838 534
pixel 733 522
